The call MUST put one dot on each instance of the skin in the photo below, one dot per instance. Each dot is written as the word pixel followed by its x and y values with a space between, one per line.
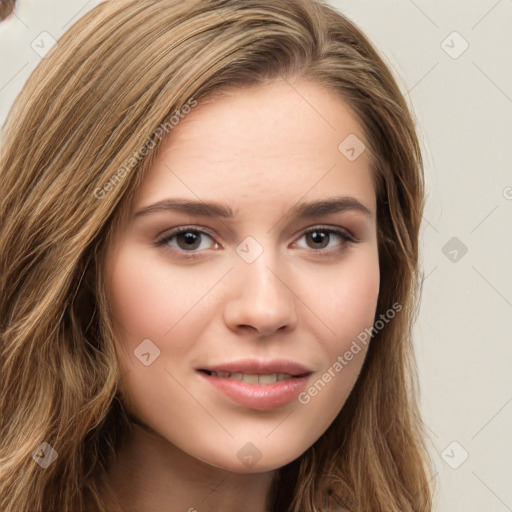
pixel 260 151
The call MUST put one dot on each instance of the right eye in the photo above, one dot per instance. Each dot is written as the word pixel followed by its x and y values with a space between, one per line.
pixel 185 239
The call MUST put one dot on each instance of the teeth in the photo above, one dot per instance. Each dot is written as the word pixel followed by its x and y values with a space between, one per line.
pixel 267 379
pixel 252 378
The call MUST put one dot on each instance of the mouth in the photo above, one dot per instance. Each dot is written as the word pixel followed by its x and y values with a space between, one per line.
pixel 265 379
pixel 258 385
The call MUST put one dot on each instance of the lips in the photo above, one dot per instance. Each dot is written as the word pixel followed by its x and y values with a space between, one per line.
pixel 257 384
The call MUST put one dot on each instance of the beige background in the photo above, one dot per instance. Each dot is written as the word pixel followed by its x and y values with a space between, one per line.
pixel 463 100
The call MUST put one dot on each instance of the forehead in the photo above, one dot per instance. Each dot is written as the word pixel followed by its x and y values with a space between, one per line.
pixel 262 144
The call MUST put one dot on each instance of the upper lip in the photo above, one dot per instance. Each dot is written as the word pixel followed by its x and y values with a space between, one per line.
pixel 257 366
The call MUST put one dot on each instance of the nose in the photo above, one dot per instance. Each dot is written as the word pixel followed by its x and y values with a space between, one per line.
pixel 260 298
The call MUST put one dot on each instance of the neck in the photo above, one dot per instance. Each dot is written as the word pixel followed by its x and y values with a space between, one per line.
pixel 150 474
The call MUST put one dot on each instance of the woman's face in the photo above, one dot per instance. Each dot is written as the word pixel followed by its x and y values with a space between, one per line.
pixel 245 291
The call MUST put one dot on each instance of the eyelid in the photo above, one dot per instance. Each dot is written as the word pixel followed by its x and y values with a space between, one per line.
pixel 170 232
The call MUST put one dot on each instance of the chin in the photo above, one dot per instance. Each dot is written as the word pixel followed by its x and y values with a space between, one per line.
pixel 248 458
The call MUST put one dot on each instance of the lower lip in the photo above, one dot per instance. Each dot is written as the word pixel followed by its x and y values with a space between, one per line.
pixel 258 396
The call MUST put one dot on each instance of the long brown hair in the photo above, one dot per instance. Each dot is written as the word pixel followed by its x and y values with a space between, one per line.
pixel 91 104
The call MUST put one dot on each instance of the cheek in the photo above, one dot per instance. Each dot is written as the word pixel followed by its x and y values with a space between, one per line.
pixel 348 304
pixel 135 302
pixel 347 301
pixel 357 300
pixel 148 301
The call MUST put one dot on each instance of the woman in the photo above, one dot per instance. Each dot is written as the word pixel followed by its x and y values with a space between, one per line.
pixel 263 371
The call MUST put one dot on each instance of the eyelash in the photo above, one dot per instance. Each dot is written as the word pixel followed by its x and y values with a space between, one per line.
pixel 167 237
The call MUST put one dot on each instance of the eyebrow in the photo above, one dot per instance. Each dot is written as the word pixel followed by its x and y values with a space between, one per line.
pixel 303 210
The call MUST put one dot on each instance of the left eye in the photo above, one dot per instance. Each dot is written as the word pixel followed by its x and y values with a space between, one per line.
pixel 319 237
pixel 190 240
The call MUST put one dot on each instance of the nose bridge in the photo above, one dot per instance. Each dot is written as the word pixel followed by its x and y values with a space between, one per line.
pixel 260 280
pixel 261 298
